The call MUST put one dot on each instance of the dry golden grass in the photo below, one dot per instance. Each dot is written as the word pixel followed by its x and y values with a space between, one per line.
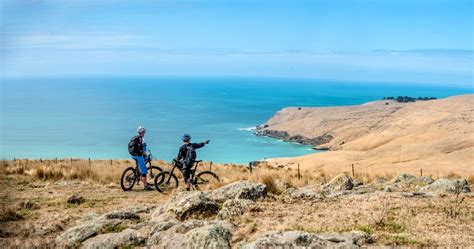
pixel 392 220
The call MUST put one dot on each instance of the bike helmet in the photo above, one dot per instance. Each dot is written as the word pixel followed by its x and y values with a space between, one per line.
pixel 186 138
pixel 141 129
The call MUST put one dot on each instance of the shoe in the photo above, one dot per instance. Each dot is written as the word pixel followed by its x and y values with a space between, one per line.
pixel 148 188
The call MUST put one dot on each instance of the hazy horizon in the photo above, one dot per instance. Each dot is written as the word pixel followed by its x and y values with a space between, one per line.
pixel 421 41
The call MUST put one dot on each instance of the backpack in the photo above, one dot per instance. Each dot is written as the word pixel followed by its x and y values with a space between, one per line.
pixel 134 146
pixel 190 155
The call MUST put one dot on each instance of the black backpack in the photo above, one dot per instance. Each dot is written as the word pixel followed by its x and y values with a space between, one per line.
pixel 134 146
pixel 190 155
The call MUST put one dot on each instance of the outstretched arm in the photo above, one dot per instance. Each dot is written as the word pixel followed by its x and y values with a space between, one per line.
pixel 200 145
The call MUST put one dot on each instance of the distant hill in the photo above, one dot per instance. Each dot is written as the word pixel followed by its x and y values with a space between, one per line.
pixel 383 136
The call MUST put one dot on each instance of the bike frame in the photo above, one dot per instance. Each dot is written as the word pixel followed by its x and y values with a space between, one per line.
pixel 193 172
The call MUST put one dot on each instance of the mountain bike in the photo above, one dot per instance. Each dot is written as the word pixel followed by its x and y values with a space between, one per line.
pixel 132 175
pixel 166 181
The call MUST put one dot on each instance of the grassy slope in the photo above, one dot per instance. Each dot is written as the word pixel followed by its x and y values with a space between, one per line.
pixel 436 136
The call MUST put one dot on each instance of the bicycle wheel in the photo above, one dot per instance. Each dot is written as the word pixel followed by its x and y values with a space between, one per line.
pixel 205 179
pixel 152 172
pixel 165 182
pixel 128 179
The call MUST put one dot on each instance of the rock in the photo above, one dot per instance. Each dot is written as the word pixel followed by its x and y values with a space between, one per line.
pixel 122 215
pixel 447 186
pixel 403 178
pixel 363 189
pixel 187 205
pixel 193 234
pixel 126 238
pixel 29 205
pixel 234 208
pixel 285 136
pixel 339 183
pixel 210 236
pixel 305 193
pixel 298 239
pixel 75 199
pixel 354 238
pixel 75 235
pixel 239 190
pixel 282 185
pixel 407 182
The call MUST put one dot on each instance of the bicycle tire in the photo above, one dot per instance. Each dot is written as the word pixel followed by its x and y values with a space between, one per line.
pixel 128 175
pixel 152 172
pixel 205 178
pixel 166 181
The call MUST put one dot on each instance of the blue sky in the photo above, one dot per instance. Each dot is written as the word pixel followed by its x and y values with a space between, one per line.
pixel 387 41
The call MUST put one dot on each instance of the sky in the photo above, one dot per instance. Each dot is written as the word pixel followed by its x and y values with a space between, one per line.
pixel 419 41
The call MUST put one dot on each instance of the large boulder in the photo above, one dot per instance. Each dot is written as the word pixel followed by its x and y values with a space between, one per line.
pixel 239 190
pixel 447 186
pixel 407 182
pixel 94 225
pixel 305 193
pixel 339 183
pixel 353 238
pixel 234 208
pixel 298 239
pixel 193 234
pixel 125 238
pixel 76 235
pixel 210 236
pixel 187 205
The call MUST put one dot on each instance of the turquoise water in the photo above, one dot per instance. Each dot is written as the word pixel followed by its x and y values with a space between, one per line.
pixel 82 118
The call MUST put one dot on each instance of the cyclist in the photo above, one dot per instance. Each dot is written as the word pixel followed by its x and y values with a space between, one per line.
pixel 187 156
pixel 138 150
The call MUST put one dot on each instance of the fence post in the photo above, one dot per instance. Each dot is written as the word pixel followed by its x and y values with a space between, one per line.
pixel 421 172
pixel 250 167
pixel 56 160
pixel 353 173
pixel 210 166
pixel 299 175
pixel 111 163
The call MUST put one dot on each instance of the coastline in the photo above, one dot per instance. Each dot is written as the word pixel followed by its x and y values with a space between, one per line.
pixel 435 137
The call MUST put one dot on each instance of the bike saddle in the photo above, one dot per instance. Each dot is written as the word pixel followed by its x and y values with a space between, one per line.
pixel 198 161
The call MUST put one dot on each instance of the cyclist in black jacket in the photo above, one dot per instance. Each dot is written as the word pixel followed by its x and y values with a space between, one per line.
pixel 187 156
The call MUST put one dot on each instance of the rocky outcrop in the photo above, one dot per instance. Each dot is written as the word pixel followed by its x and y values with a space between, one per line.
pixel 239 190
pixel 75 235
pixel 407 182
pixel 94 225
pixel 285 136
pixel 199 205
pixel 298 239
pixel 339 183
pixel 122 239
pixel 187 205
pixel 193 234
pixel 447 186
pixel 305 193
pixel 235 207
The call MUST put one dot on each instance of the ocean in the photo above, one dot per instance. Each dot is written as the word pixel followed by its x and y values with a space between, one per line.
pixel 96 117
